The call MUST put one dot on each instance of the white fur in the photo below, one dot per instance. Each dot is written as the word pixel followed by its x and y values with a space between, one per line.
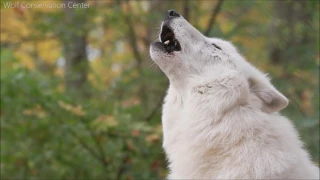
pixel 220 116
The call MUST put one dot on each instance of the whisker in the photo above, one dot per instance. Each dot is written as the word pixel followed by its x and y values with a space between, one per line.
pixel 151 65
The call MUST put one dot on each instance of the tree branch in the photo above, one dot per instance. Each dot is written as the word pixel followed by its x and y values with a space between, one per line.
pixel 122 166
pixel 133 38
pixel 100 148
pixel 87 147
pixel 215 12
pixel 157 107
pixel 77 137
pixel 186 9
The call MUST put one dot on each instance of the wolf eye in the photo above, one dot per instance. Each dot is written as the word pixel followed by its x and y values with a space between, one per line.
pixel 216 46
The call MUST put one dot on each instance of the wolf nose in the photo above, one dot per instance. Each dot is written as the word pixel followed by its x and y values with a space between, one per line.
pixel 172 14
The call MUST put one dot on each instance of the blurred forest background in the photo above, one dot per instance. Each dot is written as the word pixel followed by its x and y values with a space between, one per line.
pixel 81 99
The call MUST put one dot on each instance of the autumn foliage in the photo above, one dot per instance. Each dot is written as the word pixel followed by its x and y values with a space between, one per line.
pixel 81 99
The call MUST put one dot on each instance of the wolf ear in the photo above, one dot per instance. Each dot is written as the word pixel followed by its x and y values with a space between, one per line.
pixel 272 99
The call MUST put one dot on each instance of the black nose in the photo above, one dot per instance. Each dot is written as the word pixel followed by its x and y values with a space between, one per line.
pixel 172 14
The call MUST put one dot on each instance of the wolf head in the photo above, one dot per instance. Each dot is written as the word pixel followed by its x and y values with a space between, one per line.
pixel 183 54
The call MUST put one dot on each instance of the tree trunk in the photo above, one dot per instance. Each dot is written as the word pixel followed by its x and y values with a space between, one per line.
pixel 289 31
pixel 74 44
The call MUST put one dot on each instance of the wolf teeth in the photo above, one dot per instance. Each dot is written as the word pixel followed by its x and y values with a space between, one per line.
pixel 167 42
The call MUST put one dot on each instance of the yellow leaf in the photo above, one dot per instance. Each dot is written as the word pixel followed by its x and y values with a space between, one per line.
pixel 153 138
pixel 103 122
pixel 75 110
pixel 36 111
pixel 130 145
pixel 106 120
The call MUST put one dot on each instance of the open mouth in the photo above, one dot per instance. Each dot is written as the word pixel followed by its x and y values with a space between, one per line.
pixel 168 40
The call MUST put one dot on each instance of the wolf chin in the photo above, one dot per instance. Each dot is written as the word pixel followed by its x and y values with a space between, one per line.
pixel 220 116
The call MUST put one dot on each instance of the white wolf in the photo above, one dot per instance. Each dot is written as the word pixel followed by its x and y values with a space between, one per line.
pixel 220 116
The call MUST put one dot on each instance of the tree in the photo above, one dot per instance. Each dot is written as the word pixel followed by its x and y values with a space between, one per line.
pixel 74 40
